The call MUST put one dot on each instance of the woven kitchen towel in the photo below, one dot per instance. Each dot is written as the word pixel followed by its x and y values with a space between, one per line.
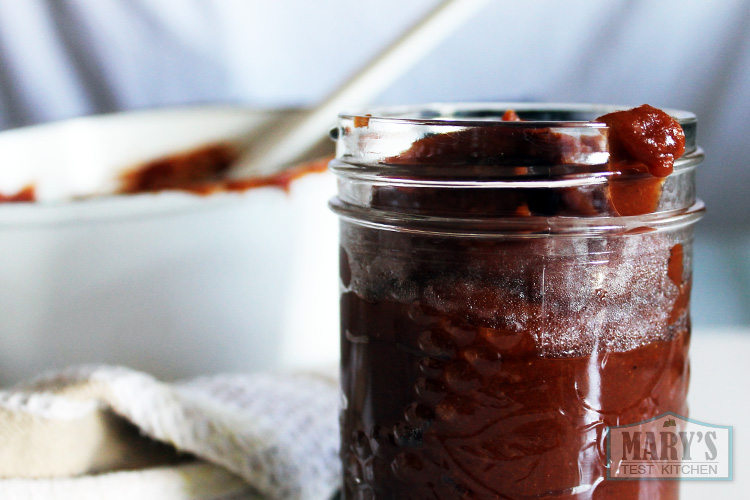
pixel 110 432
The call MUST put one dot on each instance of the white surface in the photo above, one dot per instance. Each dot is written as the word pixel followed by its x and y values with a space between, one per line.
pixel 720 371
pixel 172 284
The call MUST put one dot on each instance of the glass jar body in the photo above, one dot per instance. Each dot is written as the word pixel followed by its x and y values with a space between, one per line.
pixel 506 299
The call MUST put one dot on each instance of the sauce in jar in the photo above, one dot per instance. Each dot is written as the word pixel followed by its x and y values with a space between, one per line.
pixel 510 289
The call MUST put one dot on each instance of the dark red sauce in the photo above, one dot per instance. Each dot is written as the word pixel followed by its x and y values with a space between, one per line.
pixel 180 171
pixel 646 135
pixel 484 416
pixel 201 171
pixel 25 195
pixel 481 368
pixel 281 180
pixel 204 171
pixel 643 144
pixel 643 140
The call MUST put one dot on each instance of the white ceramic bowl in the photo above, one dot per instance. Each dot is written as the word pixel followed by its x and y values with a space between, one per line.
pixel 172 283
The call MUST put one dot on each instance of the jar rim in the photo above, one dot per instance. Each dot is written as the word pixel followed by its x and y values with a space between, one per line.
pixel 397 168
pixel 554 139
pixel 489 114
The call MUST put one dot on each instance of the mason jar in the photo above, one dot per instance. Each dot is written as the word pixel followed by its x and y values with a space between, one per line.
pixel 509 292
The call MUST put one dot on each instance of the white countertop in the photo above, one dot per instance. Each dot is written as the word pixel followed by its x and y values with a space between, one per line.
pixel 719 394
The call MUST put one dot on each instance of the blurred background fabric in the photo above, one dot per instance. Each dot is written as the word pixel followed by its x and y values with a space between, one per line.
pixel 65 58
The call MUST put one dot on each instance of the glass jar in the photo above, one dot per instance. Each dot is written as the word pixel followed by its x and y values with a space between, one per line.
pixel 506 296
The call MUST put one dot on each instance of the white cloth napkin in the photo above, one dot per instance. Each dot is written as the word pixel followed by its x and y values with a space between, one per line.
pixel 110 432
